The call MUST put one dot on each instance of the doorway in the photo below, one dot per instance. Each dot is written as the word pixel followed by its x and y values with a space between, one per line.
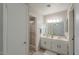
pixel 32 37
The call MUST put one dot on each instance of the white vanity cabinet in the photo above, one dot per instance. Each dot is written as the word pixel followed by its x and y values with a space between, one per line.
pixel 58 46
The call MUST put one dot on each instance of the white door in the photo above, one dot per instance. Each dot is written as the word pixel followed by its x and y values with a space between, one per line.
pixel 17 39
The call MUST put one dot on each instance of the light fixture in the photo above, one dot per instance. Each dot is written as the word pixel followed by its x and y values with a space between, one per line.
pixel 49 21
pixel 57 20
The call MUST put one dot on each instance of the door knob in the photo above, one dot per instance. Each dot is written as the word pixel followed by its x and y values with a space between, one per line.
pixel 24 42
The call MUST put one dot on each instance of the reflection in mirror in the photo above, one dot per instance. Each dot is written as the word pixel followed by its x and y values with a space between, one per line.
pixel 56 27
pixel 55 24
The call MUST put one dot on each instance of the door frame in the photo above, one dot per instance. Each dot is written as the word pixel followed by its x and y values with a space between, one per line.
pixel 4 29
pixel 35 32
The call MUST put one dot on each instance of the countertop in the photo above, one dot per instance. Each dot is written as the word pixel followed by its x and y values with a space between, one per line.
pixel 55 37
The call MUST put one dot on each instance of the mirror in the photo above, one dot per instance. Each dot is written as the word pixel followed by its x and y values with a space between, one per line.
pixel 55 24
pixel 56 27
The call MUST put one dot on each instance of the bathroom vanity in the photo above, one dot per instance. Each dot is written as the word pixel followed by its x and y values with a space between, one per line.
pixel 56 44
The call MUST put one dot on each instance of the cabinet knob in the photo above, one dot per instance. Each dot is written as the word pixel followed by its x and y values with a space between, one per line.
pixel 58 46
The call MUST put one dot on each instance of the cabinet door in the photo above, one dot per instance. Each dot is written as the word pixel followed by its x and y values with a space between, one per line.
pixel 54 45
pixel 43 43
pixel 62 47
pixel 48 44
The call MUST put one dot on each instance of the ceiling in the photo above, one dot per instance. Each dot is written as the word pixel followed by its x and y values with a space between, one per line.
pixel 41 8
